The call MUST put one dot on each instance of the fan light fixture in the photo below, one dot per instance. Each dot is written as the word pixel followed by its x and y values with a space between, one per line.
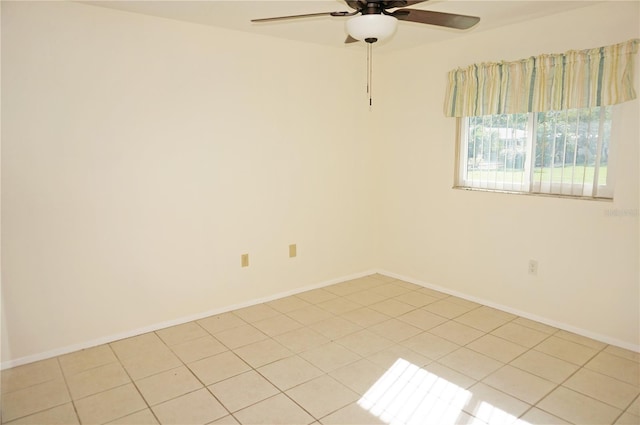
pixel 377 22
pixel 372 27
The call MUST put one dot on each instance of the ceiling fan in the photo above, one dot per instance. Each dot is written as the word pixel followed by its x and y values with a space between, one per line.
pixel 376 21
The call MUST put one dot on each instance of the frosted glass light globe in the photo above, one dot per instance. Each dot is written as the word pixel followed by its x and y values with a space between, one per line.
pixel 372 26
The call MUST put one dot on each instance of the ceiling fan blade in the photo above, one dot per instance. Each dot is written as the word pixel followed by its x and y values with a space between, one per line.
pixel 350 40
pixel 354 4
pixel 449 20
pixel 402 3
pixel 307 15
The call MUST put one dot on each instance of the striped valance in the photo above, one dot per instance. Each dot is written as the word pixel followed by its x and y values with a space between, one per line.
pixel 575 79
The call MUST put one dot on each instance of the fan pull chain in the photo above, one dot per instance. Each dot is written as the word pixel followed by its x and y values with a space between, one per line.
pixel 370 73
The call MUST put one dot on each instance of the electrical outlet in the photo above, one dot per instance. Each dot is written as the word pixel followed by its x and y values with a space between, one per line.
pixel 244 260
pixel 533 267
pixel 293 250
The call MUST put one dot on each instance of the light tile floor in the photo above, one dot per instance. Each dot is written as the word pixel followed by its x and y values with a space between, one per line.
pixel 372 350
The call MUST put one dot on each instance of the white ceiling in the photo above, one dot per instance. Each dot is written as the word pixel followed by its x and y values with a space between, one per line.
pixel 236 15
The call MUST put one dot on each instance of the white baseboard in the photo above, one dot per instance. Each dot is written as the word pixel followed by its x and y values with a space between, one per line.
pixel 157 326
pixel 570 328
pixel 139 331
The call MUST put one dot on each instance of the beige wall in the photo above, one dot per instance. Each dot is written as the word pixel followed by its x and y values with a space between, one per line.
pixel 478 243
pixel 143 156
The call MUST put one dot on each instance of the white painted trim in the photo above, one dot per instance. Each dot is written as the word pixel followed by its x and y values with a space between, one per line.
pixel 570 328
pixel 151 328
pixel 139 331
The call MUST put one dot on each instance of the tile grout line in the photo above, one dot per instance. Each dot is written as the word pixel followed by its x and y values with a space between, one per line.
pixel 557 385
pixel 232 350
pixel 531 406
pixel 360 357
pixel 560 384
pixel 587 395
pixel 73 404
pixel 133 382
pixel 528 349
pixel 37 383
pixel 252 368
pixel 186 366
pixel 284 392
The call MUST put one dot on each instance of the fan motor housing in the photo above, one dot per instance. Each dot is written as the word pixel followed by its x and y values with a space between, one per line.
pixel 372 9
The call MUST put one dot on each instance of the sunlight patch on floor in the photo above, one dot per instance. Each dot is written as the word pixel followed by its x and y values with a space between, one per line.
pixel 490 414
pixel 408 395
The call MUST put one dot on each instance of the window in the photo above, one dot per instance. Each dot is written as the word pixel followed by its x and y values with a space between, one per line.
pixel 562 149
pixel 556 152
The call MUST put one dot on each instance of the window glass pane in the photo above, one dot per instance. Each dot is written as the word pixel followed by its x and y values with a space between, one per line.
pixel 567 152
pixel 569 156
pixel 604 151
pixel 496 151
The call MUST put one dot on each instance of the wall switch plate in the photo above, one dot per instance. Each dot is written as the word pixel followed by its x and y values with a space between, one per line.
pixel 244 260
pixel 293 250
pixel 533 267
